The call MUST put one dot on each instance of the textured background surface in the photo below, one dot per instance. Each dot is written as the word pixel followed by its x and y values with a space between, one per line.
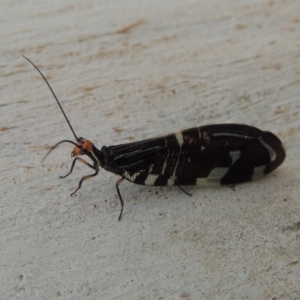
pixel 180 64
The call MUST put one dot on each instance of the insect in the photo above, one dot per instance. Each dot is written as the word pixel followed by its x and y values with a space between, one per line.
pixel 207 155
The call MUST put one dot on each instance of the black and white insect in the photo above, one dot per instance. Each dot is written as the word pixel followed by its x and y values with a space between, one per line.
pixel 207 155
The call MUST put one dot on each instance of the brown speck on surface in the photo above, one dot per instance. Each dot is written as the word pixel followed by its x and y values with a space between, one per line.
pixel 40 48
pixel 4 128
pixel 293 263
pixel 130 138
pixel 272 66
pixel 20 277
pixel 240 26
pixel 127 28
pixel 290 28
pixel 117 129
pixel 39 146
pixel 281 110
pixel 83 38
pixel 185 295
pixel 87 88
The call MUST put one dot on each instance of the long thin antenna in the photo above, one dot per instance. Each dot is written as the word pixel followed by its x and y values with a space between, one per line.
pixel 53 147
pixel 54 97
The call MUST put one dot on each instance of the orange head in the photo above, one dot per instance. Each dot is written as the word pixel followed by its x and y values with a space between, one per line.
pixel 83 147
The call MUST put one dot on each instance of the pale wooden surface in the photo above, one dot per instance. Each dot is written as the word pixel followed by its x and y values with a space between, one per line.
pixel 180 64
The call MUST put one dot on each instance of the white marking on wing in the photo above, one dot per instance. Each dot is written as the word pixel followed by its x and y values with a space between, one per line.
pixel 200 135
pixel 179 138
pixel 150 180
pixel 258 172
pixel 207 182
pixel 235 155
pixel 171 180
pixel 219 173
pixel 272 152
pixel 130 178
pixel 151 168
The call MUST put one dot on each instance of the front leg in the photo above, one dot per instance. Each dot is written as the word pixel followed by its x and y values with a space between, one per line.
pixel 85 178
pixel 73 164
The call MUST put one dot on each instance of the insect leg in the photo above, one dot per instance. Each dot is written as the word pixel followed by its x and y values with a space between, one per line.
pixel 120 197
pixel 73 164
pixel 83 179
pixel 184 191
